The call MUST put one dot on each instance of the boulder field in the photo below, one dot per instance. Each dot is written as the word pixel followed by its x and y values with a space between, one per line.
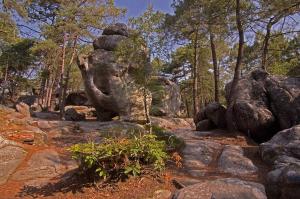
pixel 265 108
pixel 261 106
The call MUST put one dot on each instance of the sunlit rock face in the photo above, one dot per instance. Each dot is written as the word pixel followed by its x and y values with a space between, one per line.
pixel 108 84
pixel 166 98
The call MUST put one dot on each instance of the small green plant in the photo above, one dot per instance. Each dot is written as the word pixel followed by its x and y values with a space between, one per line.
pixel 173 142
pixel 116 158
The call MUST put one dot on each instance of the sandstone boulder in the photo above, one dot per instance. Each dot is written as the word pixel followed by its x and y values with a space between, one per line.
pixel 116 29
pixel 282 152
pixel 263 104
pixel 108 84
pixel 166 99
pixel 284 95
pixel 28 99
pixel 205 125
pixel 284 143
pixel 11 155
pixel 108 42
pixel 72 115
pixel 233 161
pixel 215 113
pixel 77 99
pixel 223 188
pixel 24 109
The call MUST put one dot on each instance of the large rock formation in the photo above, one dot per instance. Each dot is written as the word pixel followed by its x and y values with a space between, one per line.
pixel 283 153
pixel 109 86
pixel 166 99
pixel 264 104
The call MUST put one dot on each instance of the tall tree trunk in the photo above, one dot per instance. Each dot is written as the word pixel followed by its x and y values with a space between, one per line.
pixel 5 82
pixel 66 84
pixel 265 46
pixel 195 74
pixel 187 108
pixel 270 24
pixel 145 106
pixel 237 69
pixel 61 81
pixel 215 64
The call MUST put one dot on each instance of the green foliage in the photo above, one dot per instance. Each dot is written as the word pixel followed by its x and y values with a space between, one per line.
pixel 18 56
pixel 174 143
pixel 116 158
pixel 149 26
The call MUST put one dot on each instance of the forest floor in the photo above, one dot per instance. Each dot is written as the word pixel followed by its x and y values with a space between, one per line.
pixel 47 170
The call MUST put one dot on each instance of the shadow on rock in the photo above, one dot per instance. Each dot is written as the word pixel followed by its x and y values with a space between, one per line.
pixel 70 182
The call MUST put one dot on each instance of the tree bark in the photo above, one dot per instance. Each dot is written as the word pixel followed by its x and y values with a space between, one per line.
pixel 237 69
pixel 5 82
pixel 270 24
pixel 195 74
pixel 215 64
pixel 66 84
pixel 61 81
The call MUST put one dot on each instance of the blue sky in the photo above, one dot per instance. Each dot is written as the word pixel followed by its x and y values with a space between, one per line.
pixel 137 7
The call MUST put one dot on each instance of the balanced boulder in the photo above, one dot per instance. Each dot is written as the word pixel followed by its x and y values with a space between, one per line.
pixel 109 85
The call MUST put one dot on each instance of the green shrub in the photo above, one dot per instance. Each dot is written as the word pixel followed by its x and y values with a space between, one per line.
pixel 173 142
pixel 121 157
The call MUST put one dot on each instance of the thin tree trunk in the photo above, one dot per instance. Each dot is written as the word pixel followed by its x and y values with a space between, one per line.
pixel 215 64
pixel 65 88
pixel 5 82
pixel 195 74
pixel 187 108
pixel 270 24
pixel 237 69
pixel 61 82
pixel 265 46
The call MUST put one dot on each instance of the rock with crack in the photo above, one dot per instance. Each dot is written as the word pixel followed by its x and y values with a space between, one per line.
pixel 214 114
pixel 233 161
pixel 263 104
pixel 166 98
pixel 42 167
pixel 78 98
pixel 109 85
pixel 11 155
pixel 223 188
pixel 72 114
pixel 198 155
pixel 282 152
